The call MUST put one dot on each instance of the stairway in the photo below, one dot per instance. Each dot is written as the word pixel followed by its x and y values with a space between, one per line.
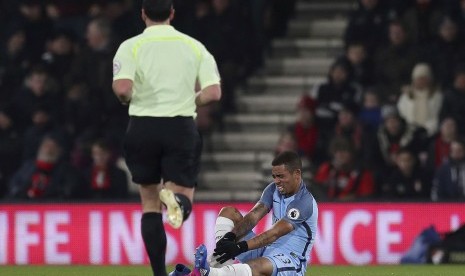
pixel 237 167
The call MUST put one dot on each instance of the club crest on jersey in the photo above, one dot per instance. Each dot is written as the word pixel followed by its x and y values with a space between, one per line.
pixel 293 213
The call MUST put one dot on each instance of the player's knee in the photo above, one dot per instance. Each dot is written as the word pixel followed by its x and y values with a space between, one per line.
pixel 231 213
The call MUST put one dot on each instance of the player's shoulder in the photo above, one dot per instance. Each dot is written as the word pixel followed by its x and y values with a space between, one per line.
pixel 304 196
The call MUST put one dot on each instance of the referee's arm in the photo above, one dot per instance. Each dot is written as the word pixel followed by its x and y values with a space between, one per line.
pixel 208 95
pixel 123 90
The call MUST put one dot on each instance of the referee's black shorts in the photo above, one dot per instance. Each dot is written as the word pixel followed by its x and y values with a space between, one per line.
pixel 163 147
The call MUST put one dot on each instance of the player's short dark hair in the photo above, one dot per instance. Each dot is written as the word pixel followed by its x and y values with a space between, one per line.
pixel 157 10
pixel 290 159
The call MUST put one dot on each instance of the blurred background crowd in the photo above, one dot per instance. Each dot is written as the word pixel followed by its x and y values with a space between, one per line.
pixel 387 124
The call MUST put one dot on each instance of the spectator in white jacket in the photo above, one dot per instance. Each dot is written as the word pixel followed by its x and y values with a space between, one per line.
pixel 420 102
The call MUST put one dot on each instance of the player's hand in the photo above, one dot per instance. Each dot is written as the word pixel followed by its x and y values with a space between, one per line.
pixel 228 237
pixel 229 250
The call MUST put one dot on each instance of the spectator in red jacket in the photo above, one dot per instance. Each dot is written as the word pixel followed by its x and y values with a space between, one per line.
pixel 439 148
pixel 341 177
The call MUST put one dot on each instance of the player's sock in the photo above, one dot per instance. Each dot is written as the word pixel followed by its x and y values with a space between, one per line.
pixel 185 204
pixel 154 236
pixel 231 270
pixel 223 225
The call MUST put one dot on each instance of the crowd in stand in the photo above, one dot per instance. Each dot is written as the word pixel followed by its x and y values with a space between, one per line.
pixel 61 127
pixel 389 122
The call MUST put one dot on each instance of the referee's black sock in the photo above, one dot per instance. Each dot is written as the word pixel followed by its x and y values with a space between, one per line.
pixel 154 237
pixel 186 205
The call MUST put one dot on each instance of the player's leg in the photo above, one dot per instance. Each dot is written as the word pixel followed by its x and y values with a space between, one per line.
pixel 142 155
pixel 182 148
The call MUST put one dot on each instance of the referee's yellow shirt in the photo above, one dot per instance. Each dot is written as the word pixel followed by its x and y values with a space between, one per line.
pixel 164 65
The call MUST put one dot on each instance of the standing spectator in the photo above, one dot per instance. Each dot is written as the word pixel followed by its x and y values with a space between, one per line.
pixel 332 95
pixel 10 148
pixel 105 179
pixel 341 177
pixel 420 103
pixel 422 21
pixel 439 149
pixel 394 63
pixel 449 182
pixel 48 176
pixel 367 24
pixel 158 81
pixel 407 180
pixel 454 101
pixel 447 52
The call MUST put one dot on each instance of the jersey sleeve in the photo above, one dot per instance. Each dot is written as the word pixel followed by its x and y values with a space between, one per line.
pixel 124 63
pixel 208 70
pixel 298 211
pixel 267 196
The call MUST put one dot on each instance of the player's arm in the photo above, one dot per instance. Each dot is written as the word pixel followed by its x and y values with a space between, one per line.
pixel 278 230
pixel 250 220
pixel 123 90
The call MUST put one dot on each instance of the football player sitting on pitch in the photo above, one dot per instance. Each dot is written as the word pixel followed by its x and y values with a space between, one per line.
pixel 282 250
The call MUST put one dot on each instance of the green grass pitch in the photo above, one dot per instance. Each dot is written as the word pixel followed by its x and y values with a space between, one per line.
pixel 419 270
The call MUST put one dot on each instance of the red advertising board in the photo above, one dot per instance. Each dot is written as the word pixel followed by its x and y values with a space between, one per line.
pixel 102 234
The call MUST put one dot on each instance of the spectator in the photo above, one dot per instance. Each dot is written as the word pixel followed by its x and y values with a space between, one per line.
pixel 422 21
pixel 360 64
pixel 454 101
pixel 106 181
pixel 69 14
pixel 370 114
pixel 407 180
pixel 38 90
pixel 48 176
pixel 59 55
pixel 367 24
pixel 394 63
pixel 14 63
pixel 393 135
pixel 449 181
pixel 347 127
pixel 286 142
pixel 332 95
pixel 43 123
pixel 10 148
pixel 439 148
pixel 420 103
pixel 122 21
pixel 305 130
pixel 447 52
pixel 341 177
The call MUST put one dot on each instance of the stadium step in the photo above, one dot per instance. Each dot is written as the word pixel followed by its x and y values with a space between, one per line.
pixel 233 180
pixel 285 81
pixel 221 195
pixel 238 141
pixel 269 103
pixel 320 28
pixel 235 161
pixel 298 66
pixel 259 122
pixel 324 9
pixel 307 48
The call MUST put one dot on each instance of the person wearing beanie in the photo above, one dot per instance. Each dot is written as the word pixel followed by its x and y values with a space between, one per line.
pixel 420 102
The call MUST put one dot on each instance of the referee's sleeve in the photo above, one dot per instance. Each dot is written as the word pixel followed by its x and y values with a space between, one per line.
pixel 208 70
pixel 124 64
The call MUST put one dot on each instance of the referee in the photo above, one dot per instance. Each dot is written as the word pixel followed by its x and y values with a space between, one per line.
pixel 156 73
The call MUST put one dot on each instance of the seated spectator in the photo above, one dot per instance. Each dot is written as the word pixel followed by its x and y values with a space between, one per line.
pixel 341 177
pixel 420 103
pixel 305 130
pixel 43 123
pixel 59 54
pixel 347 127
pixel 366 24
pixel 10 148
pixel 454 101
pixel 394 63
pixel 393 135
pixel 48 176
pixel 105 180
pixel 407 180
pixel 286 142
pixel 360 65
pixel 38 90
pixel 370 113
pixel 449 181
pixel 439 148
pixel 332 95
pixel 122 20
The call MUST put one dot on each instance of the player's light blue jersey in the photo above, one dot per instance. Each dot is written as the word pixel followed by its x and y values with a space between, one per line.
pixel 300 210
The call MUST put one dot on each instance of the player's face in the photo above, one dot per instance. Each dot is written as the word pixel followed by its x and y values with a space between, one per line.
pixel 286 182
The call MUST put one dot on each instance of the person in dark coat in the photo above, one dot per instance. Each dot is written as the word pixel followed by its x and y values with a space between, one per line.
pixel 454 101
